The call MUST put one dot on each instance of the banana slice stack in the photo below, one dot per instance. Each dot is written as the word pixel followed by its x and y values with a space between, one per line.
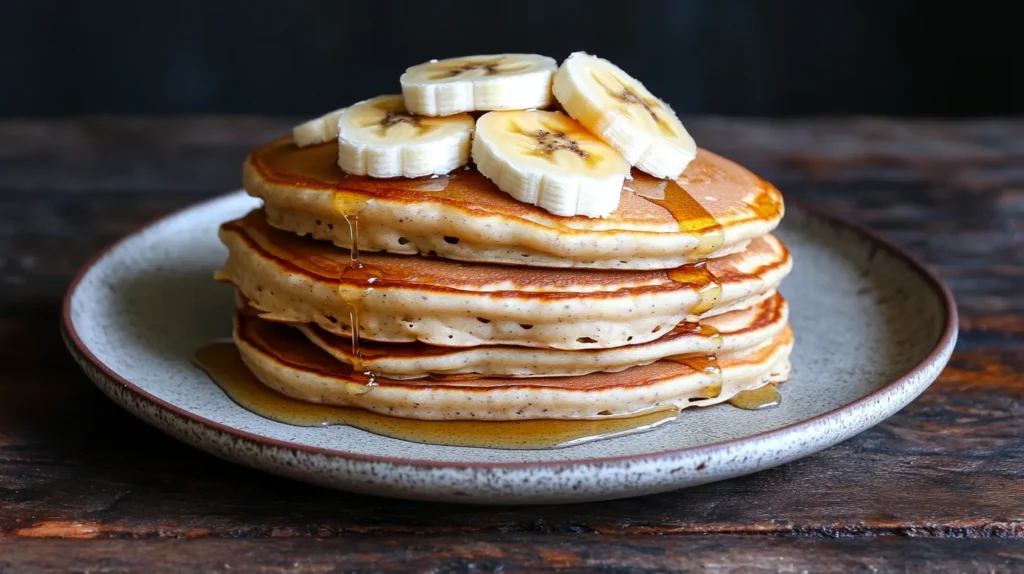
pixel 570 164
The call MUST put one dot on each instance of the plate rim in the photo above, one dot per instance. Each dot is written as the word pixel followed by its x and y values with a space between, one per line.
pixel 943 345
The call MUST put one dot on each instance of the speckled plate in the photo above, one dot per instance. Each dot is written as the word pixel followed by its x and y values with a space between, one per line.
pixel 873 329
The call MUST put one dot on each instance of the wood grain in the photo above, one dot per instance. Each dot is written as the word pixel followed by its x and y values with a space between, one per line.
pixel 950 465
pixel 517 553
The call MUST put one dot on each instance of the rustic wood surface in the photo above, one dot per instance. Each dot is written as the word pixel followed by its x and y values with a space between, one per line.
pixel 939 486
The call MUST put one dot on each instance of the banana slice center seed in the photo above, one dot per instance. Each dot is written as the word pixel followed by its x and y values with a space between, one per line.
pixel 545 141
pixel 393 118
pixel 624 94
pixel 495 67
pixel 550 142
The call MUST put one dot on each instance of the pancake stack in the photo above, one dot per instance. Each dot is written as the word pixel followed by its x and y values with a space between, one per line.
pixel 441 289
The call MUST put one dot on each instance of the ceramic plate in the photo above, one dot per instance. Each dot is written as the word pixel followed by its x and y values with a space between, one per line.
pixel 873 329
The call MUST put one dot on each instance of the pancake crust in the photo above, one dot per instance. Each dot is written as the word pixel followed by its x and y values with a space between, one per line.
pixel 447 303
pixel 464 216
pixel 722 334
pixel 286 361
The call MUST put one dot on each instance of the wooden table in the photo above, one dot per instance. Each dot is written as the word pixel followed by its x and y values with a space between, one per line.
pixel 84 486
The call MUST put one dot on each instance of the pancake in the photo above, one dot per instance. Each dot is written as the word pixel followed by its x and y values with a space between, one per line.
pixel 283 359
pixel 713 209
pixel 722 334
pixel 400 298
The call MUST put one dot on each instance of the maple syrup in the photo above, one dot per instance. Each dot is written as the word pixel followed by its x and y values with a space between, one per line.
pixel 352 220
pixel 761 398
pixel 357 282
pixel 709 290
pixel 316 168
pixel 690 216
pixel 350 206
pixel 707 364
pixel 222 362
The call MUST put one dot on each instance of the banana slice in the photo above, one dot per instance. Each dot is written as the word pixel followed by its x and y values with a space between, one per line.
pixel 317 130
pixel 478 83
pixel 379 138
pixel 548 160
pixel 620 110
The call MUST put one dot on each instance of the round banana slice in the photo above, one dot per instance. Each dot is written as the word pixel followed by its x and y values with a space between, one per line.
pixel 548 160
pixel 478 83
pixel 620 110
pixel 317 130
pixel 379 138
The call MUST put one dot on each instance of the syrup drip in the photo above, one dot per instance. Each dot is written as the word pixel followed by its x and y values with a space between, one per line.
pixel 707 364
pixel 691 217
pixel 711 333
pixel 709 290
pixel 223 363
pixel 358 281
pixel 350 205
pixel 764 397
pixel 353 232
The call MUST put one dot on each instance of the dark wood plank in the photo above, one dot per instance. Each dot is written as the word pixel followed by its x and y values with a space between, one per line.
pixel 516 553
pixel 186 153
pixel 73 465
pixel 129 155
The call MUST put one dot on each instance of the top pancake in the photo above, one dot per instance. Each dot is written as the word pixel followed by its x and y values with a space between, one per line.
pixel 713 209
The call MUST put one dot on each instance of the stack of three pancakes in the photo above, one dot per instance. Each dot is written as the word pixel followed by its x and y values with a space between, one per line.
pixel 445 299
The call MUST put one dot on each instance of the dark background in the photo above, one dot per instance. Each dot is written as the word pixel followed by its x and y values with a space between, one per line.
pixel 740 57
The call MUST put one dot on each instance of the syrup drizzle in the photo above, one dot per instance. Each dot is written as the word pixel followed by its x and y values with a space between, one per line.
pixel 357 282
pixel 761 398
pixel 709 290
pixel 222 362
pixel 707 364
pixel 692 217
